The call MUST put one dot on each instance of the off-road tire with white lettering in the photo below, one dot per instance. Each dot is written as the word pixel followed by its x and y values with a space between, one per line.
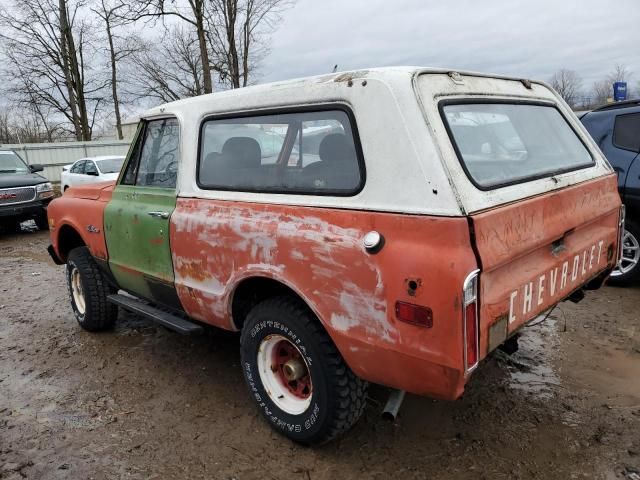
pixel 99 313
pixel 633 275
pixel 338 397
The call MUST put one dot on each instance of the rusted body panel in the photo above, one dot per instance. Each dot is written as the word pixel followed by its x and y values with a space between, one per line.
pixel 82 209
pixel 537 251
pixel 533 242
pixel 319 254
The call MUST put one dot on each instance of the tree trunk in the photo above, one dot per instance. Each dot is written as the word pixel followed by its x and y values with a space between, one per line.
pixel 202 42
pixel 234 65
pixel 114 79
pixel 79 83
pixel 65 30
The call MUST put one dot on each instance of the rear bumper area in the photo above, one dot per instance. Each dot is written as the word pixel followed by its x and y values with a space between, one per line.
pixel 403 371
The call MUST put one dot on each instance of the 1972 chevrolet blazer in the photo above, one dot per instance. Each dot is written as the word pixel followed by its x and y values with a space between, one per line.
pixel 390 226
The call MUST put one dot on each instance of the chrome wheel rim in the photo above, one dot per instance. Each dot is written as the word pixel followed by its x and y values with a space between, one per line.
pixel 630 254
pixel 284 374
pixel 77 292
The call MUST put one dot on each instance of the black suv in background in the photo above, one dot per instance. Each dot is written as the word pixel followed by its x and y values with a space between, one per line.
pixel 24 195
pixel 616 130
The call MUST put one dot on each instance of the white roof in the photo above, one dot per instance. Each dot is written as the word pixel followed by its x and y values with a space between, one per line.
pixel 383 74
pixel 411 166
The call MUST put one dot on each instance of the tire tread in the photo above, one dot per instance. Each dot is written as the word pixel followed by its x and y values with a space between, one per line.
pixel 100 314
pixel 351 391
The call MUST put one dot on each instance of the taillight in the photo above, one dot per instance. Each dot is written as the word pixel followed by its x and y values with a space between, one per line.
pixel 470 323
pixel 414 314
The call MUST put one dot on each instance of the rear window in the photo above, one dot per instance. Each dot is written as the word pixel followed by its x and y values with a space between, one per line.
pixel 500 144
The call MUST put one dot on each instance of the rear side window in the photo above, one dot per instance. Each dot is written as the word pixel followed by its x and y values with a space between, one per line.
pixel 501 143
pixel 304 152
pixel 626 132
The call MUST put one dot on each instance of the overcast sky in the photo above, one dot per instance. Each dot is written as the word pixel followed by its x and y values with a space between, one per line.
pixel 531 38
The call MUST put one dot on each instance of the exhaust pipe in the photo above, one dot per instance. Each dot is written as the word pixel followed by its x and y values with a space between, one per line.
pixel 394 402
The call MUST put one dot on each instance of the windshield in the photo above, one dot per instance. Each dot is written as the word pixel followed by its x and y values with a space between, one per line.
pixel 12 163
pixel 501 144
pixel 110 165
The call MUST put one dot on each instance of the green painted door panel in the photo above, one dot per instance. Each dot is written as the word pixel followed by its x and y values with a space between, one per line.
pixel 137 235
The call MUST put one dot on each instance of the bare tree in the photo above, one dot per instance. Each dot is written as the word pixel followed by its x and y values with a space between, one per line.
pixel 601 91
pixel 119 48
pixel 568 84
pixel 620 73
pixel 27 125
pixel 44 43
pixel 231 35
pixel 167 70
pixel 195 16
pixel 237 33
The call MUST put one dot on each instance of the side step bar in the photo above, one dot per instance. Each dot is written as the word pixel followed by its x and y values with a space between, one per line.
pixel 169 320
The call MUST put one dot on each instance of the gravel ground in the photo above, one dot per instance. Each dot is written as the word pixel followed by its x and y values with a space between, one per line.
pixel 142 402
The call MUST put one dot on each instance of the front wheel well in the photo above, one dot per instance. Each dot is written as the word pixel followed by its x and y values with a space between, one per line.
pixel 251 291
pixel 68 239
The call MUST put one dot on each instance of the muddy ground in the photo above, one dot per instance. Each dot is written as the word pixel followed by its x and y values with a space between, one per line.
pixel 142 402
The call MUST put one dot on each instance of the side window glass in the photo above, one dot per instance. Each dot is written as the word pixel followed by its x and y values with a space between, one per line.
pixel 78 167
pixel 159 155
pixel 305 152
pixel 626 132
pixel 90 168
pixel 129 177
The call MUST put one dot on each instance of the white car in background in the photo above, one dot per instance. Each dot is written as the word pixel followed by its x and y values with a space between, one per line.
pixel 91 170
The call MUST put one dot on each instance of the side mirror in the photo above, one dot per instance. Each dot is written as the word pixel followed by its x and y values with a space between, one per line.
pixel 93 173
pixel 35 168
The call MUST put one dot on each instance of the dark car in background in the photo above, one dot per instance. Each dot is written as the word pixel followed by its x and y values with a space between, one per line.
pixel 616 130
pixel 24 195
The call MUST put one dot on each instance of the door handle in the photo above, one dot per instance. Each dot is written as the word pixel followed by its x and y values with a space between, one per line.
pixel 156 214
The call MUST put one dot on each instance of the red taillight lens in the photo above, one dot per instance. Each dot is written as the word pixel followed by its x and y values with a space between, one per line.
pixel 414 314
pixel 471 340
pixel 470 321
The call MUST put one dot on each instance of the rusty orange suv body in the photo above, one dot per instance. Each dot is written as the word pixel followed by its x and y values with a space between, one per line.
pixel 421 217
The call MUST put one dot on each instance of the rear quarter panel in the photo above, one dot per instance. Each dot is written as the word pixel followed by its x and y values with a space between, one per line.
pixel 318 253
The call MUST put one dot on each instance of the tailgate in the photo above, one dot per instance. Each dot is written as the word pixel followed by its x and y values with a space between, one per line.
pixel 535 252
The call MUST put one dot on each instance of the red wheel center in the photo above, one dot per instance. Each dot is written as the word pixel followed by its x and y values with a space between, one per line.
pixel 291 369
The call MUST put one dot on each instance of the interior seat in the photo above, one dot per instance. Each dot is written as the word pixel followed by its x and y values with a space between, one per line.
pixel 338 166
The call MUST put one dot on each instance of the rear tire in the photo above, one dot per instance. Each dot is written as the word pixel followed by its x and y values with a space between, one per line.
pixel 88 291
pixel 326 400
pixel 628 271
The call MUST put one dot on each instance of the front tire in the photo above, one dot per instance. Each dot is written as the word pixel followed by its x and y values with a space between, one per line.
pixel 629 269
pixel 295 374
pixel 88 290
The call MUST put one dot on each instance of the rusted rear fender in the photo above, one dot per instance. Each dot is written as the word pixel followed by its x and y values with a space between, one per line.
pixel 319 254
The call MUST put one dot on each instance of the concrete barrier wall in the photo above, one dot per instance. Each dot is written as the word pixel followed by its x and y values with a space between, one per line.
pixel 53 156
